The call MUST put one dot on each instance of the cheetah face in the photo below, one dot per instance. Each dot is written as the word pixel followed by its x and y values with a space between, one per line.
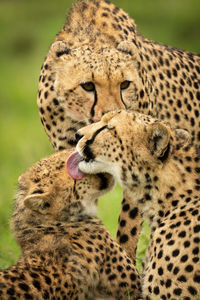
pixel 122 143
pixel 49 190
pixel 86 76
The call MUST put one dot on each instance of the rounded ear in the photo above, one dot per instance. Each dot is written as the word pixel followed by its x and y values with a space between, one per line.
pixel 183 135
pixel 58 49
pixel 21 179
pixel 158 139
pixel 38 202
pixel 128 48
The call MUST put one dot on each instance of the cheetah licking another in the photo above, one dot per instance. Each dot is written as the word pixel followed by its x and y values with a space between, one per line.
pixel 159 168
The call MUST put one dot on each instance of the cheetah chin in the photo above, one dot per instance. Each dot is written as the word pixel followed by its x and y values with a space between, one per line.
pixel 77 166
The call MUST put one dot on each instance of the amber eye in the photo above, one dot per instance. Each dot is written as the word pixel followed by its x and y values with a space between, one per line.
pixel 125 84
pixel 88 86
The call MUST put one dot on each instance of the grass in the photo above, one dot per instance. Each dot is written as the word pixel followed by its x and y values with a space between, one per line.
pixel 27 29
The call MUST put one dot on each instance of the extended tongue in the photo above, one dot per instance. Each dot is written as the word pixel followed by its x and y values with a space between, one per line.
pixel 72 166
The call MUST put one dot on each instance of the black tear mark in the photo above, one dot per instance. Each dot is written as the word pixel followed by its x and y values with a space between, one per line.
pixel 87 150
pixel 94 104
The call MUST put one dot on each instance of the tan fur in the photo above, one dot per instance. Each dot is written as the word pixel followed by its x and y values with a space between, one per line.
pixel 101 44
pixel 66 251
pixel 159 168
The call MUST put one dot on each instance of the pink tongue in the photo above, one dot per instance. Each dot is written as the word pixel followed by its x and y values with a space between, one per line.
pixel 72 166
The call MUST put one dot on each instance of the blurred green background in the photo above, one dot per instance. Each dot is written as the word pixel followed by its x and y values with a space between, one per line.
pixel 27 29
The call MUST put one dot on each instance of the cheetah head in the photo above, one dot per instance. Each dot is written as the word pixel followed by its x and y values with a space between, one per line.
pixel 125 144
pixel 48 191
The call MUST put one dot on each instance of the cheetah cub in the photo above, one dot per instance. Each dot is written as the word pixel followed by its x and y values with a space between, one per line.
pixel 66 251
pixel 160 170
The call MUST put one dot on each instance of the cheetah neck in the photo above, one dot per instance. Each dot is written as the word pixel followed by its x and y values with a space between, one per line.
pixel 168 189
pixel 161 68
pixel 29 226
pixel 54 234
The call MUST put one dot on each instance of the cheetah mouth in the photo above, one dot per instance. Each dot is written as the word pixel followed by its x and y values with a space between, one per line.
pixel 72 166
pixel 79 166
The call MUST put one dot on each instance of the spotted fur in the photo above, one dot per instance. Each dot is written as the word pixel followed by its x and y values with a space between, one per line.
pixel 99 62
pixel 159 168
pixel 100 45
pixel 66 251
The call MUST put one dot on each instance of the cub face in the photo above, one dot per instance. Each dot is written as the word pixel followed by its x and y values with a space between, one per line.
pixel 123 144
pixel 50 191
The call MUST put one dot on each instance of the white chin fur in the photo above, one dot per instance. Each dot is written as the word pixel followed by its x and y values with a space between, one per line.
pixel 90 208
pixel 92 167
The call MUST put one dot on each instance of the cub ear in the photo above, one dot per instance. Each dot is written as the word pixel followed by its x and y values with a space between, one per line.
pixel 158 139
pixel 22 180
pixel 58 50
pixel 38 202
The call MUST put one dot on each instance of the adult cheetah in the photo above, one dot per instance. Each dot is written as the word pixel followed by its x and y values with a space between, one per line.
pixel 159 168
pixel 99 62
pixel 66 251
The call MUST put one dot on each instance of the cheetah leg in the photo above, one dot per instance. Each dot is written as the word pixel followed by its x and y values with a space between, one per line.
pixel 120 276
pixel 129 226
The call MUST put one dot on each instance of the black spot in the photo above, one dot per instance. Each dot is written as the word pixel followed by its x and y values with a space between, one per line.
pixel 160 271
pixel 37 285
pixel 184 258
pixel 197 228
pixel 24 287
pixel 189 268
pixel 123 238
pixel 133 213
pixel 112 277
pixel 192 290
pixel 134 231
pixel 177 291
pixel 176 270
pixel 169 267
pixel 160 254
pixel 168 283
pixel 122 223
pixel 126 207
pixel 41 110
pixel 55 101
pixel 156 290
pixel 11 291
pixel 196 278
pixel 182 278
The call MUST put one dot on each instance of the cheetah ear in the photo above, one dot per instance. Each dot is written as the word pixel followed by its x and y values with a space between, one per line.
pixel 183 135
pixel 127 48
pixel 158 140
pixel 22 181
pixel 38 202
pixel 58 49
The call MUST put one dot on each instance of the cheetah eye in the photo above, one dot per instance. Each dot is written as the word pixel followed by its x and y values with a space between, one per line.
pixel 125 84
pixel 88 86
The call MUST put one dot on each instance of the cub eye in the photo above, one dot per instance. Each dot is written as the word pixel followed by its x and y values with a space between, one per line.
pixel 125 84
pixel 88 86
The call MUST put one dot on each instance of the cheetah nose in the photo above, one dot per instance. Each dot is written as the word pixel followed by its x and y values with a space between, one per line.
pixel 78 136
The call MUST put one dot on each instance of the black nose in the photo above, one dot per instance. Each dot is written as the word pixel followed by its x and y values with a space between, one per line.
pixel 78 136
